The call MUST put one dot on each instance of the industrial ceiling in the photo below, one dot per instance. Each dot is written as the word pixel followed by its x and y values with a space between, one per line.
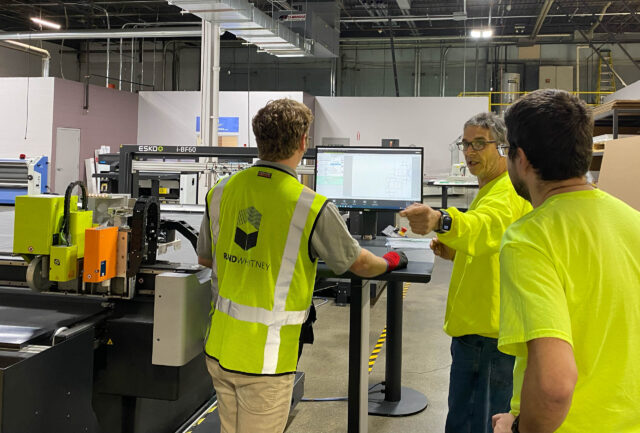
pixel 370 19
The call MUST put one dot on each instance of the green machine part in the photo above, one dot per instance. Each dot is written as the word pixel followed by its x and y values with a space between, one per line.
pixel 63 263
pixel 37 221
pixel 79 222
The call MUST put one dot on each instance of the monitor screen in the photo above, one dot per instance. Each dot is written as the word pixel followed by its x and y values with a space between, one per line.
pixel 376 178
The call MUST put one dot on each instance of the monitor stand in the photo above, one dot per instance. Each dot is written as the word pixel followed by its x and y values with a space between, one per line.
pixel 369 226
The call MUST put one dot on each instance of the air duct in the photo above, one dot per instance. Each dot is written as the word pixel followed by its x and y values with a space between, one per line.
pixel 243 20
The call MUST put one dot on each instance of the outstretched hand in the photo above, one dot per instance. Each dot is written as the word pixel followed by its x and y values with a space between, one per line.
pixel 422 218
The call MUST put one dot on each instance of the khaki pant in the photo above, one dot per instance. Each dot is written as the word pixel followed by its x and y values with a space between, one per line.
pixel 251 404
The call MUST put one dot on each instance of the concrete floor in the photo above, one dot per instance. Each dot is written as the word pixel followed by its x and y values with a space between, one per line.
pixel 426 357
pixel 425 362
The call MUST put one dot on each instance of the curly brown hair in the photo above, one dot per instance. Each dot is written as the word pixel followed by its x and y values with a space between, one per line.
pixel 279 126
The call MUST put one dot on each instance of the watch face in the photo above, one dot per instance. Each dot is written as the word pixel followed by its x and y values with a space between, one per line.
pixel 446 223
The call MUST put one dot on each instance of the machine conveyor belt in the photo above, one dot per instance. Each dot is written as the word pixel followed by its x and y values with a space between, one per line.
pixel 27 316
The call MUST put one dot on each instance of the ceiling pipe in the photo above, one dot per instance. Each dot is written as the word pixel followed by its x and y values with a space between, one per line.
pixel 399 18
pixel 451 38
pixel 19 46
pixel 600 16
pixel 187 32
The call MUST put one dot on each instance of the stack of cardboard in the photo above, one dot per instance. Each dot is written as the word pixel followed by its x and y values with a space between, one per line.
pixel 619 170
pixel 618 103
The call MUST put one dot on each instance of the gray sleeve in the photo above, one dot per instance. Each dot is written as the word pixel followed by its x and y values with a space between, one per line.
pixel 332 242
pixel 204 238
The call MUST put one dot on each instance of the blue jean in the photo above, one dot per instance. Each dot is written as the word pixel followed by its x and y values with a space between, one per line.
pixel 480 386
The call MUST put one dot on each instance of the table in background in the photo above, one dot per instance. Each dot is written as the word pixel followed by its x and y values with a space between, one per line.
pixel 446 184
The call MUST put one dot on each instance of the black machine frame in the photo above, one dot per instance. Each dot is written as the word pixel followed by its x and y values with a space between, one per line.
pixel 128 153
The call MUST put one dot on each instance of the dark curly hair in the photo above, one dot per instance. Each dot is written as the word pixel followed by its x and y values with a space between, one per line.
pixel 279 126
pixel 555 130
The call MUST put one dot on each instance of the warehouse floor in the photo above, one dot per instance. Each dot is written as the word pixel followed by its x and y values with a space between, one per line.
pixel 425 355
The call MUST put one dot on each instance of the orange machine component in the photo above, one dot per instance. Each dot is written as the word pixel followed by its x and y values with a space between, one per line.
pixel 100 254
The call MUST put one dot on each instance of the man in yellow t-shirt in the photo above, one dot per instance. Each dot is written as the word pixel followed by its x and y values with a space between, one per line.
pixel 480 380
pixel 570 280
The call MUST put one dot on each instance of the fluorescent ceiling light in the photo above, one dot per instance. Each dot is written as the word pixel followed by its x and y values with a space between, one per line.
pixel 487 33
pixel 475 33
pixel 288 55
pixel 45 23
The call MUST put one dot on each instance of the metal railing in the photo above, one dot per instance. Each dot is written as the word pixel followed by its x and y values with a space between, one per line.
pixel 496 98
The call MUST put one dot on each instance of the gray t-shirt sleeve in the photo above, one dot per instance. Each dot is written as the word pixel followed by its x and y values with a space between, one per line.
pixel 331 241
pixel 204 238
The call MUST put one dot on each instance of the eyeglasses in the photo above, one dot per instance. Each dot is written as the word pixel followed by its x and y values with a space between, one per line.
pixel 479 145
pixel 502 149
pixel 476 145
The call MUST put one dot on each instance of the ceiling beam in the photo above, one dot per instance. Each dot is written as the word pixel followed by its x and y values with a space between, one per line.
pixel 633 13
pixel 613 38
pixel 541 17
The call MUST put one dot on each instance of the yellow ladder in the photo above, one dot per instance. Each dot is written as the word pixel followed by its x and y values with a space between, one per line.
pixel 606 79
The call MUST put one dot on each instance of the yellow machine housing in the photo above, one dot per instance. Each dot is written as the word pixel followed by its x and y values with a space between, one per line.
pixel 100 249
pixel 37 221
pixel 63 263
pixel 79 222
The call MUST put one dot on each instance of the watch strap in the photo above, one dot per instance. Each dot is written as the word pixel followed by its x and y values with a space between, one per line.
pixel 515 426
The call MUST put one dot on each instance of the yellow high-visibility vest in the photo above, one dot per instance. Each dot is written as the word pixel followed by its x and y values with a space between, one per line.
pixel 262 220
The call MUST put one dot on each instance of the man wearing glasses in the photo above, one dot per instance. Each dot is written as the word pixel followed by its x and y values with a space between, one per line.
pixel 481 376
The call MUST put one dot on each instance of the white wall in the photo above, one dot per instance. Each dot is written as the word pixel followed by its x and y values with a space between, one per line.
pixel 169 118
pixel 432 123
pixel 26 116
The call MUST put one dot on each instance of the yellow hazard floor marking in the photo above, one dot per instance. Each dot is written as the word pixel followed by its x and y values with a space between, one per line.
pixel 383 336
pixel 201 419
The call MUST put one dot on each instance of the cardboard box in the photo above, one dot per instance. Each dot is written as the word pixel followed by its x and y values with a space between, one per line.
pixel 228 140
pixel 618 173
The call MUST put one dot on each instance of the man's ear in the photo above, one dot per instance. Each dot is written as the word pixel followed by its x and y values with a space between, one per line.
pixel 522 160
pixel 303 143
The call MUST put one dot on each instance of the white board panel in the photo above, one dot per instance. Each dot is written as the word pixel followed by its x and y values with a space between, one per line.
pixel 432 123
pixel 169 118
pixel 26 116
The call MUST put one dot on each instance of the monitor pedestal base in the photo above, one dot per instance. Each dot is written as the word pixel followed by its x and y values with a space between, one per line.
pixel 369 224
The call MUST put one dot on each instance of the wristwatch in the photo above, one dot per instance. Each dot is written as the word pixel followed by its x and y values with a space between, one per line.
pixel 445 222
pixel 514 426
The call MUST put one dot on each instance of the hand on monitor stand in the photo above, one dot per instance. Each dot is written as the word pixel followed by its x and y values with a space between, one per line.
pixel 396 260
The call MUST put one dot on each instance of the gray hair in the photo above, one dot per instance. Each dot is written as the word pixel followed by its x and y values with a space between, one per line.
pixel 491 122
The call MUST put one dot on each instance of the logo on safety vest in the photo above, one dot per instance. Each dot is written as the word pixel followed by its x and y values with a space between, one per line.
pixel 247 227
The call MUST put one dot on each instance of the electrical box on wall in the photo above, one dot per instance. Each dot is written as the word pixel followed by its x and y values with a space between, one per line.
pixel 556 77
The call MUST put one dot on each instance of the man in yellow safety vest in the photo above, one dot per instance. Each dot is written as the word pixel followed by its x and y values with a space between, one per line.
pixel 262 235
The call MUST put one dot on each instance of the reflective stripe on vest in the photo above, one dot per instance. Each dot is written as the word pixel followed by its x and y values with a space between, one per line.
pixel 214 220
pixel 285 276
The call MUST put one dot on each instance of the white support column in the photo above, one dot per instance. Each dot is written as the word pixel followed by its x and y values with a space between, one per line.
pixel 210 83
pixel 209 88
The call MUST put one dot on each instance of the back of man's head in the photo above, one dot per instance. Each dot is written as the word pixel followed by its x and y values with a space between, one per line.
pixel 554 129
pixel 491 122
pixel 279 126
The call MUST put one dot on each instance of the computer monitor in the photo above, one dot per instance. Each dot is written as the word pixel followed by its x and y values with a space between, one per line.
pixel 370 178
